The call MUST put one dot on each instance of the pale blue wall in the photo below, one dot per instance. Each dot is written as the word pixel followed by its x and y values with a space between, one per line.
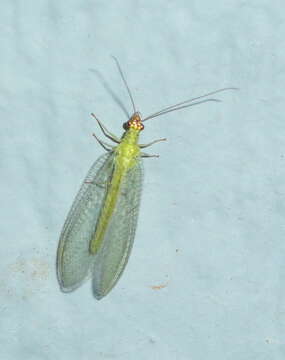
pixel 211 226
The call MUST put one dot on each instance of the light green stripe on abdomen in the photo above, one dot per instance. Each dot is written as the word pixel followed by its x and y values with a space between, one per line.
pixel 107 210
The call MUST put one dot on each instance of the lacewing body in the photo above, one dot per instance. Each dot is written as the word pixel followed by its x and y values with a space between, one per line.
pixel 98 234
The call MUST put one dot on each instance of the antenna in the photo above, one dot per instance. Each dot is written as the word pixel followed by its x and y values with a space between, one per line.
pixel 125 82
pixel 188 103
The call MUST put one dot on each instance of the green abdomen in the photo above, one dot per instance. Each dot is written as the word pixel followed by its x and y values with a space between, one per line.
pixel 107 210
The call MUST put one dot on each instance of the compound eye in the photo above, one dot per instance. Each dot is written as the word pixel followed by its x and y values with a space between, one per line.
pixel 126 125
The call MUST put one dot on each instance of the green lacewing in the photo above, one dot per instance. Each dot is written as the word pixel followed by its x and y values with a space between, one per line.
pixel 98 234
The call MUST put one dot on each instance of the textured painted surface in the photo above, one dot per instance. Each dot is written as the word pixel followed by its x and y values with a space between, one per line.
pixel 206 275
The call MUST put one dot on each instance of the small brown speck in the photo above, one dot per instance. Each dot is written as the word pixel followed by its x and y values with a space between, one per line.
pixel 159 287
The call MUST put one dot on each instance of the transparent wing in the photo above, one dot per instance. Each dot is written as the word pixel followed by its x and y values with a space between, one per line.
pixel 113 255
pixel 73 257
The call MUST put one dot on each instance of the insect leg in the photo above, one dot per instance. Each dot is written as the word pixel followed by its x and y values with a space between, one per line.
pixel 145 155
pixel 106 146
pixel 151 143
pixel 106 132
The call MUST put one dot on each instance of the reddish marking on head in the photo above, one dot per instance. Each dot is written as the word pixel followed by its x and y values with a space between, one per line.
pixel 135 123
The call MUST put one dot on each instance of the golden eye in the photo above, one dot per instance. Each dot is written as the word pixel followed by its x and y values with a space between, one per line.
pixel 126 125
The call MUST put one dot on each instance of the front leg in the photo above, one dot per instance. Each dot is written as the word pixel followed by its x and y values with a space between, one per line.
pixel 151 143
pixel 106 132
